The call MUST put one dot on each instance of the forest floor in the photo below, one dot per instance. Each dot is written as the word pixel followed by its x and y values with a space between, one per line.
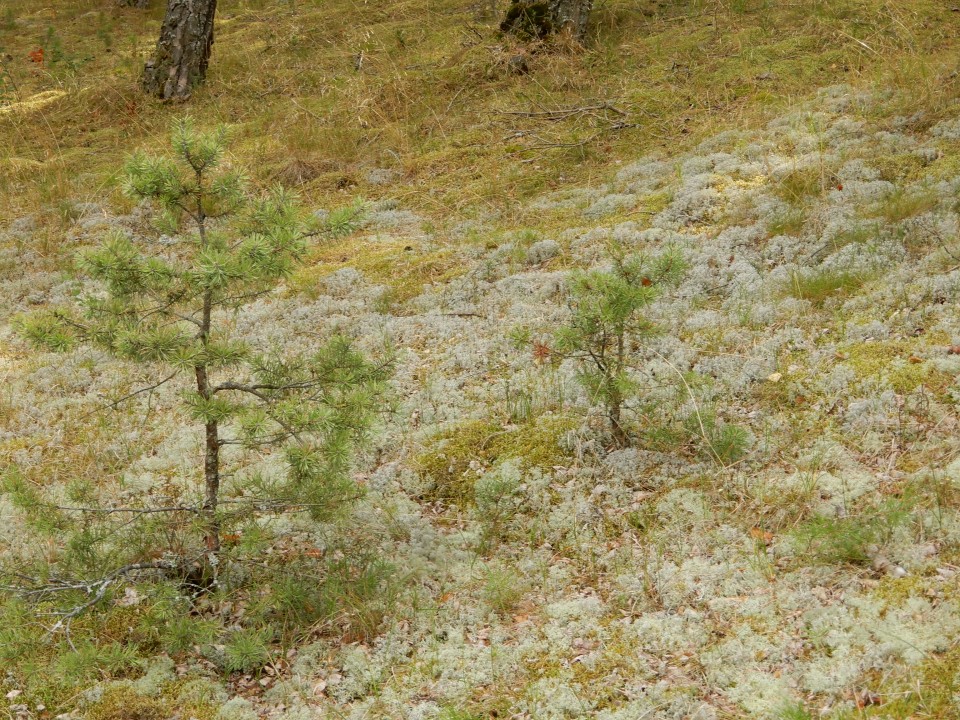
pixel 506 560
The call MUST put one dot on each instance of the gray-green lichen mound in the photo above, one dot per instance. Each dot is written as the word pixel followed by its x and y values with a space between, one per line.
pixel 779 539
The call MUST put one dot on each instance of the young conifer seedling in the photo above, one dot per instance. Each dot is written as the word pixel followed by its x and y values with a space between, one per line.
pixel 168 305
pixel 606 320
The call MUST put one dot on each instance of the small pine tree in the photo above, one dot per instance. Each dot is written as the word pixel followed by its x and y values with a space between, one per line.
pixel 606 321
pixel 168 305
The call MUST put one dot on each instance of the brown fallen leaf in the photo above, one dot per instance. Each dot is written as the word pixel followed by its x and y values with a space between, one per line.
pixel 760 534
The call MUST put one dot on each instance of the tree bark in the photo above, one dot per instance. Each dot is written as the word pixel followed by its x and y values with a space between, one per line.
pixel 211 469
pixel 615 401
pixel 539 18
pixel 573 15
pixel 211 458
pixel 619 434
pixel 183 50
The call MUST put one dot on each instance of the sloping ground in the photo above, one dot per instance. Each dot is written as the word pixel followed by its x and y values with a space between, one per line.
pixel 549 578
pixel 810 568
pixel 319 94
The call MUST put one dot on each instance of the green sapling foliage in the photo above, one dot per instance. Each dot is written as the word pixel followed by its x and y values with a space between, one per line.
pixel 607 322
pixel 168 305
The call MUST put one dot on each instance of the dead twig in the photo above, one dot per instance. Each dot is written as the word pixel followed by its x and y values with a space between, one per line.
pixel 116 403
pixel 131 510
pixel 95 590
pixel 563 113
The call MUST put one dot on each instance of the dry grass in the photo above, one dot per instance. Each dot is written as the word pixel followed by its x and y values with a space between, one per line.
pixel 819 286
pixel 319 92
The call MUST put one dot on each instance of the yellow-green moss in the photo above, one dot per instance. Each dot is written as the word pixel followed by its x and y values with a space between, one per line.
pixel 655 202
pixel 895 590
pixel 947 166
pixel 894 360
pixel 404 269
pixel 537 444
pixel 928 691
pixel 898 167
pixel 447 461
pixel 112 625
pixel 122 702
pixel 450 454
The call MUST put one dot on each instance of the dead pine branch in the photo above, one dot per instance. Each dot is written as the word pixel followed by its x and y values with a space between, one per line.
pixel 95 590
pixel 595 120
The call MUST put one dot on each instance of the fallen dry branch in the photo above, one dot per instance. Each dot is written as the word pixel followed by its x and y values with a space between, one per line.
pixel 95 590
pixel 563 113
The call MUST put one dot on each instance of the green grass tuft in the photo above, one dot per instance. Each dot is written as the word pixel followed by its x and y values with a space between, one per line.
pixel 821 285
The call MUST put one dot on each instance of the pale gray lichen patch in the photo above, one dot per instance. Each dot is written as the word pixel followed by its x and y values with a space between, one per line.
pixel 653 580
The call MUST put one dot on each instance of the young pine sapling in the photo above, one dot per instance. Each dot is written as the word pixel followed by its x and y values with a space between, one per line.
pixel 168 306
pixel 607 321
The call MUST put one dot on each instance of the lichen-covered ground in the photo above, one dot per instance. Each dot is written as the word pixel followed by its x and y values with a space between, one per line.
pixel 540 574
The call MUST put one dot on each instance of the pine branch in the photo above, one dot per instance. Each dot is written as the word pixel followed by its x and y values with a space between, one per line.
pixel 116 403
pixel 95 588
pixel 259 441
pixel 256 389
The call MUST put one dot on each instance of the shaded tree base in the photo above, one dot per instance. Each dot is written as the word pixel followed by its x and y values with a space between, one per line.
pixel 538 19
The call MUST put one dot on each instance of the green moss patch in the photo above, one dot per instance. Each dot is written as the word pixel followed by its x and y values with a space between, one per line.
pixel 898 167
pixel 122 702
pixel 897 361
pixel 455 456
pixel 404 269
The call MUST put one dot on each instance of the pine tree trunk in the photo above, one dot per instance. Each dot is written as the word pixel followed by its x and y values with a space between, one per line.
pixel 211 471
pixel 211 456
pixel 615 398
pixel 572 15
pixel 540 18
pixel 183 50
pixel 619 434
